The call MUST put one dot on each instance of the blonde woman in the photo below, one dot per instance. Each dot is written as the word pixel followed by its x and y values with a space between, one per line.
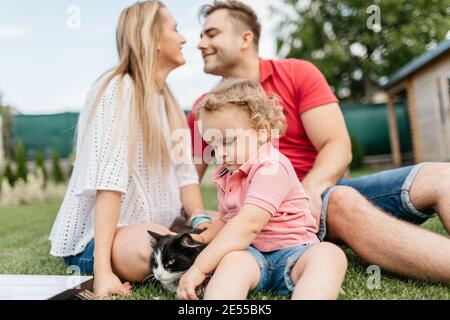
pixel 125 180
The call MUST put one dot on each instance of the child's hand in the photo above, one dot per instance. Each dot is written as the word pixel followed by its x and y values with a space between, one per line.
pixel 189 282
pixel 198 237
pixel 314 192
pixel 204 225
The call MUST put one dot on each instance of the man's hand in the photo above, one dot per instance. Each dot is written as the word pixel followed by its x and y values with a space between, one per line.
pixel 315 194
pixel 189 283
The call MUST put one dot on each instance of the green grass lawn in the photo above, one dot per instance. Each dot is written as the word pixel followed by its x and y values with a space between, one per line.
pixel 25 250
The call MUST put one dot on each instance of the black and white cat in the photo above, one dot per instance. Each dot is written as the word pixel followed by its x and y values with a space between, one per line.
pixel 172 256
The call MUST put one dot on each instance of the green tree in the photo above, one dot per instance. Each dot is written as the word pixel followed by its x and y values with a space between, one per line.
pixel 39 160
pixel 9 174
pixel 57 172
pixel 6 115
pixel 21 161
pixel 343 39
pixel 71 161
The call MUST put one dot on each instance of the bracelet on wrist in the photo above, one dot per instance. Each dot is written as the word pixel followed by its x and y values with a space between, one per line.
pixel 200 219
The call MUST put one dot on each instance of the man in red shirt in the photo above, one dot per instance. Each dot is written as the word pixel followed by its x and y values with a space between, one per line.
pixel 364 213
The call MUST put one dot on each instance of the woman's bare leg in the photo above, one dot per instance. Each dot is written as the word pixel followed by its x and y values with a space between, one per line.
pixel 131 251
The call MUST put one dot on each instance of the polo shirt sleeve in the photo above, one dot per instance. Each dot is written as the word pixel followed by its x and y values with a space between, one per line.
pixel 269 187
pixel 312 89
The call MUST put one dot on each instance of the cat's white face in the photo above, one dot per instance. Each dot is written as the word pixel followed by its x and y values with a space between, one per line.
pixel 168 279
pixel 172 256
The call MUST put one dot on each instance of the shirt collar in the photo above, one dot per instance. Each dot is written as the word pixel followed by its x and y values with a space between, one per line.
pixel 220 173
pixel 265 69
pixel 264 152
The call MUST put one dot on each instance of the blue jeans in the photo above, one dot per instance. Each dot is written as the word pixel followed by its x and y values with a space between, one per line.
pixel 276 268
pixel 84 260
pixel 388 190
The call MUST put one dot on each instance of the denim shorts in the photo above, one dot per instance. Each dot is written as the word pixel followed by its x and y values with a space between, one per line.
pixel 276 268
pixel 84 260
pixel 388 190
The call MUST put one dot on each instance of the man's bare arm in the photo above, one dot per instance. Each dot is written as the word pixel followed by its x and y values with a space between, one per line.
pixel 201 169
pixel 326 128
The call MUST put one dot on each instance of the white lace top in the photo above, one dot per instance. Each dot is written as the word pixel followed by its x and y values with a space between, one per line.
pixel 101 164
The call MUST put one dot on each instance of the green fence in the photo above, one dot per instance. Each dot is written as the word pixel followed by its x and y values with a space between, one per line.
pixel 367 123
pixel 46 133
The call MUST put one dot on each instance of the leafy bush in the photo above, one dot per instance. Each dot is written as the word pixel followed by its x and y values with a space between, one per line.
pixel 9 174
pixel 358 153
pixel 21 160
pixel 71 161
pixel 31 192
pixel 57 172
pixel 39 160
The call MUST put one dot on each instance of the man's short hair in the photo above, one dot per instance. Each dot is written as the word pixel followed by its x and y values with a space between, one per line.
pixel 237 10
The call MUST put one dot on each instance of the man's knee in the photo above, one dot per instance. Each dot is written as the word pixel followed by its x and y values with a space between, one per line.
pixel 342 212
pixel 442 177
pixel 430 185
pixel 342 199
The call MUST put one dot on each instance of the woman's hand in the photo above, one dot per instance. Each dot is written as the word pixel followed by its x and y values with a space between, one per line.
pixel 189 283
pixel 108 284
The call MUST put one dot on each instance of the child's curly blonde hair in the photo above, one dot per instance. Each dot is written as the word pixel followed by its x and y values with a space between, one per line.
pixel 248 96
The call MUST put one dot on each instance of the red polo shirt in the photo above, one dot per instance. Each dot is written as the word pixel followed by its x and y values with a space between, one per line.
pixel 301 87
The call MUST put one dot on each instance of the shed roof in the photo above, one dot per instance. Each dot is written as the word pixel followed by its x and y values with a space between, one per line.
pixel 417 63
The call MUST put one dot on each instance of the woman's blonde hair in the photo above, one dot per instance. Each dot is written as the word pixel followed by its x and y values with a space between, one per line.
pixel 248 96
pixel 138 32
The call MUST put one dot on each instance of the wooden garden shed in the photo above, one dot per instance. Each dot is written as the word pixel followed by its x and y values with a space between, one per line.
pixel 425 84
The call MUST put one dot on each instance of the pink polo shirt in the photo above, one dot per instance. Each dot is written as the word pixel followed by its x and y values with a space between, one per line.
pixel 269 181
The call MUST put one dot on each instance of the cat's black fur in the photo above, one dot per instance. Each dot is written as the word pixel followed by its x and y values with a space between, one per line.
pixel 173 255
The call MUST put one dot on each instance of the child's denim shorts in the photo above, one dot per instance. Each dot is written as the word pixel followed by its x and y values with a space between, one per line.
pixel 276 268
pixel 388 190
pixel 84 260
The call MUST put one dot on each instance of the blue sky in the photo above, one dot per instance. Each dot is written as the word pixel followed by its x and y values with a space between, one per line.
pixel 48 67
